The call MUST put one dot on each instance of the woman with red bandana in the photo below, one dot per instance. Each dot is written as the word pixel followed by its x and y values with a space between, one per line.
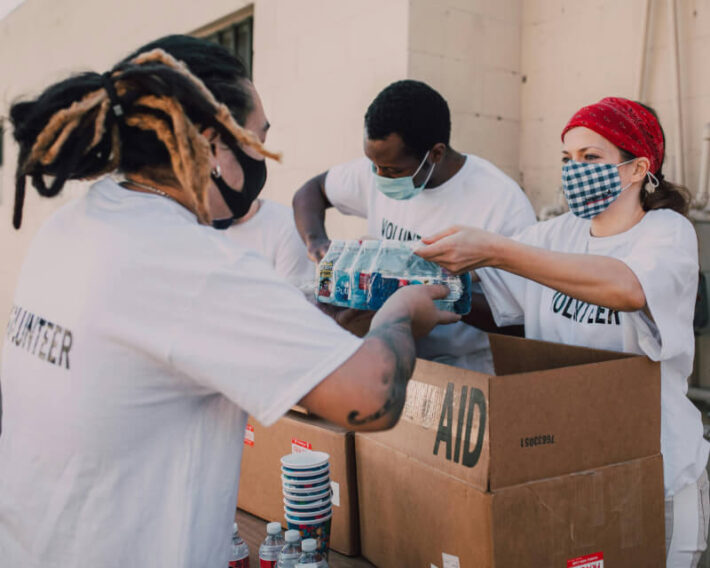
pixel 618 272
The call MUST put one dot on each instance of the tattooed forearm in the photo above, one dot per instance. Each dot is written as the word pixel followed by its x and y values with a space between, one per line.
pixel 396 339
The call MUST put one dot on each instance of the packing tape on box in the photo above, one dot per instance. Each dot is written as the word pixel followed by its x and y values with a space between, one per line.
pixel 423 404
pixel 335 497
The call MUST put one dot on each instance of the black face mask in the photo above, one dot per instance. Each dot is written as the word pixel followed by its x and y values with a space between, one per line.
pixel 239 202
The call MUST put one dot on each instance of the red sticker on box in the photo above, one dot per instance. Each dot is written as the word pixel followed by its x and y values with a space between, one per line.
pixel 298 446
pixel 249 435
pixel 590 561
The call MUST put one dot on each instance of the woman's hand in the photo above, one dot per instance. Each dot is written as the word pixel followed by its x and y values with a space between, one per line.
pixel 461 249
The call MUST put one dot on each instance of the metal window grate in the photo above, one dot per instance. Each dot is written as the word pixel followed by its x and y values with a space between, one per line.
pixel 238 39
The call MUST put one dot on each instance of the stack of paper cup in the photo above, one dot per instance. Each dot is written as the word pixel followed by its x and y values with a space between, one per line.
pixel 305 479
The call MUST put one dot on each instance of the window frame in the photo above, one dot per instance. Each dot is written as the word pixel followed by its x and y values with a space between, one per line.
pixel 244 16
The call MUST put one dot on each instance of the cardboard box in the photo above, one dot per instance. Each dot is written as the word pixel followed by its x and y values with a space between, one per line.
pixel 484 468
pixel 552 409
pixel 414 515
pixel 260 480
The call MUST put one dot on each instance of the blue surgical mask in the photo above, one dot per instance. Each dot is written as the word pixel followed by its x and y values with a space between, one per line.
pixel 591 188
pixel 402 187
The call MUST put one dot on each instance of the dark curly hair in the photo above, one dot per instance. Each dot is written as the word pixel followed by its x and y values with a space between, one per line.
pixel 667 195
pixel 413 110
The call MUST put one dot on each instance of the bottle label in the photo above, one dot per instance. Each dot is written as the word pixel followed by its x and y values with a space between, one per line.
pixel 243 563
pixel 342 287
pixel 325 280
pixel 363 280
pixel 267 563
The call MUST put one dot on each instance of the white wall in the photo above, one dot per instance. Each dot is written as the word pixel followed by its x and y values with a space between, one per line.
pixel 469 50
pixel 317 69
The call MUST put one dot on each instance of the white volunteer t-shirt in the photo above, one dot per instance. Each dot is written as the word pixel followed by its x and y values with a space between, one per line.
pixel 662 251
pixel 272 233
pixel 138 344
pixel 479 195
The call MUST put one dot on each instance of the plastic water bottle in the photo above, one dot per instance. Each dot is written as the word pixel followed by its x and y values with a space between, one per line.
pixel 463 304
pixel 326 286
pixel 341 273
pixel 388 272
pixel 422 271
pixel 360 272
pixel 310 558
pixel 239 556
pixel 289 555
pixel 271 547
pixel 363 276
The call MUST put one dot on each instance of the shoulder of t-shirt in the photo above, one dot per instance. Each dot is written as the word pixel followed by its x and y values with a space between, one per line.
pixel 276 210
pixel 496 179
pixel 482 167
pixel 358 167
pixel 671 225
pixel 544 233
pixel 279 221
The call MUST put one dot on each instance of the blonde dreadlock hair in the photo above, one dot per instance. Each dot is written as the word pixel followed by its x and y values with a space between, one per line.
pixel 148 111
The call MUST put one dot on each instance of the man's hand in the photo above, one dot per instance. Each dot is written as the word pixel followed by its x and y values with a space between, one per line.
pixel 368 391
pixel 309 205
pixel 418 301
pixel 317 248
pixel 356 322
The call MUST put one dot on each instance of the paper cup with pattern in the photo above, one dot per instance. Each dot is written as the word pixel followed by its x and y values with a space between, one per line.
pixel 319 530
pixel 296 499
pixel 308 515
pixel 304 475
pixel 304 461
pixel 307 505
pixel 311 483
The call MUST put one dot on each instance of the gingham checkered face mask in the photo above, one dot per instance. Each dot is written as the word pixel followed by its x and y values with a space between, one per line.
pixel 591 188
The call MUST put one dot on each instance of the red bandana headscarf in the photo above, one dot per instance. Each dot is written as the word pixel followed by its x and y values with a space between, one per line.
pixel 626 124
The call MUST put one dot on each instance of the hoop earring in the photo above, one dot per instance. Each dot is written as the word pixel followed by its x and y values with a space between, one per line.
pixel 217 171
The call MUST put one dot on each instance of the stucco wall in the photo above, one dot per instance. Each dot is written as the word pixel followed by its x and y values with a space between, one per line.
pixel 469 50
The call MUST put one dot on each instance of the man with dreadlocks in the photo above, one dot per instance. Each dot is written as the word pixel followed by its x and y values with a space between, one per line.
pixel 268 227
pixel 411 183
pixel 141 337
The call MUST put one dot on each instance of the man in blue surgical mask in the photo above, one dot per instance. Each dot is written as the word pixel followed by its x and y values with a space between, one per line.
pixel 410 183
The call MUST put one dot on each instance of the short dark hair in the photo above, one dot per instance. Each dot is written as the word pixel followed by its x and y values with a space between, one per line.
pixel 213 64
pixel 412 109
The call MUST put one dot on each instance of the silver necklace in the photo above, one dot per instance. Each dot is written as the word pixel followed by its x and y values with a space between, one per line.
pixel 144 186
